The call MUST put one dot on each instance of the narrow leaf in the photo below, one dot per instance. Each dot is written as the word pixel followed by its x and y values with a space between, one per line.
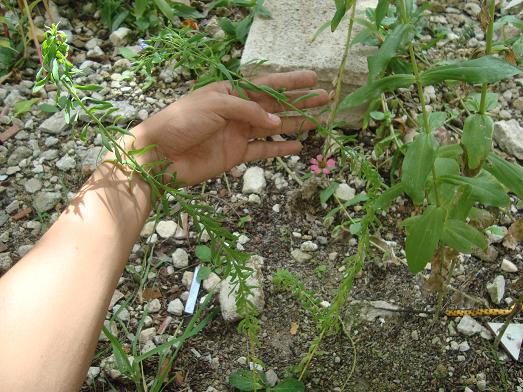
pixel 484 189
pixel 509 174
pixel 379 62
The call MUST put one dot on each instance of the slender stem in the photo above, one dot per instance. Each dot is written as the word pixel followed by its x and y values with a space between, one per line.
pixel 515 310
pixel 33 31
pixel 488 51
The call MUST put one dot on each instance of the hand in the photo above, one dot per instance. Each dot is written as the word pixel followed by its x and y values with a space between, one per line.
pixel 211 130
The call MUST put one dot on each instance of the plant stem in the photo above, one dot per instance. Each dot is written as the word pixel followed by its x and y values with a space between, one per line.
pixel 488 51
pixel 515 310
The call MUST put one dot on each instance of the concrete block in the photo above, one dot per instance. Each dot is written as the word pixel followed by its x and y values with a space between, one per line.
pixel 284 41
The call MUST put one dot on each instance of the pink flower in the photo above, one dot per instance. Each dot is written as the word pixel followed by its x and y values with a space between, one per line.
pixel 319 165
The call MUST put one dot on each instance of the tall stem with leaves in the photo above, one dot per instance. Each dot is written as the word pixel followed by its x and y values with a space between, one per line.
pixel 488 51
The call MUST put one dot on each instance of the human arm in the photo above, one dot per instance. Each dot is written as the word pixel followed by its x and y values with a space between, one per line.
pixel 54 300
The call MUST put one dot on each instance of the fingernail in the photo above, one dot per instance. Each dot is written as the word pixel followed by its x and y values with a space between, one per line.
pixel 274 118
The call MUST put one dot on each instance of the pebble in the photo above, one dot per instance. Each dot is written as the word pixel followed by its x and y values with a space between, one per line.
pixel 496 289
pixel 468 326
pixel 300 256
pixel 19 154
pixel 508 266
pixel 507 135
pixel 496 233
pixel 345 192
pixel 464 346
pixel 46 201
pixel 175 307
pixel 309 246
pixel 187 279
pixel 147 334
pixel 212 282
pixel 272 377
pixel 66 163
pixel 166 229
pixel 24 249
pixel 123 313
pixel 147 229
pixel 120 36
pixel 180 258
pixel 55 124
pixel 153 306
pixel 5 261
pixel 276 208
pixel 254 180
pixel 33 185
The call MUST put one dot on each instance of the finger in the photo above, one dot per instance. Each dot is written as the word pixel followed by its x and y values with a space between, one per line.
pixel 288 125
pixel 235 108
pixel 259 150
pixel 319 97
pixel 288 80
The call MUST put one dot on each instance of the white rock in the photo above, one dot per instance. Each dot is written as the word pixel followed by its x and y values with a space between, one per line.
pixel 147 229
pixel 166 229
pixel 496 233
pixel 180 258
pixel 464 346
pixel 507 135
pixel 276 208
pixel 228 291
pixel 175 307
pixel 300 256
pixel 468 326
pixel 55 124
pixel 345 192
pixel 33 185
pixel 45 201
pixel 153 306
pixel 91 159
pixel 187 279
pixel 147 334
pixel 309 246
pixel 508 266
pixel 66 163
pixel 496 289
pixel 254 180
pixel 5 261
pixel 119 36
pixel 212 282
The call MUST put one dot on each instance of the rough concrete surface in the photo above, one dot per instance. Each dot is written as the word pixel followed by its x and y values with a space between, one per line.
pixel 284 41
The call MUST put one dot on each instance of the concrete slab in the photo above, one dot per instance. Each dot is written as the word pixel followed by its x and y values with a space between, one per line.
pixel 284 41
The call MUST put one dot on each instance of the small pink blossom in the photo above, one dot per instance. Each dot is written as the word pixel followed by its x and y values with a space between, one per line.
pixel 320 165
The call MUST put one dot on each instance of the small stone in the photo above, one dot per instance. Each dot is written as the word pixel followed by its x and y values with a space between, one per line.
pixel 122 313
pixel 95 53
pixel 55 124
pixel 507 135
pixel 91 159
pixel 254 180
pixel 482 385
pixel 496 233
pixel 175 307
pixel 414 335
pixel 147 334
pixel 120 36
pixel 325 304
pixel 272 377
pixel 33 185
pixel 309 246
pixel 345 192
pixel 464 346
pixel 92 373
pixel 24 249
pixel 180 258
pixel 147 229
pixel 46 201
pixel 153 306
pixel 300 256
pixel 187 279
pixel 276 208
pixel 66 163
pixel 468 326
pixel 508 266
pixel 19 154
pixel 5 261
pixel 166 229
pixel 496 289
pixel 472 9
pixel 212 282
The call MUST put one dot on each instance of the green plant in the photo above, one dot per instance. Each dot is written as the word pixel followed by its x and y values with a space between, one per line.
pixel 242 380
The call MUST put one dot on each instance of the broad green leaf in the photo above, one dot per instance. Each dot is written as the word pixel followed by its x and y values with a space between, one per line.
pixel 203 252
pixel 417 165
pixel 509 174
pixel 461 203
pixel 22 107
pixel 462 237
pixel 139 7
pixel 203 273
pixel 453 151
pixel 243 381
pixel 387 197
pixel 47 108
pixel 477 139
pixel 473 102
pixel 381 11
pixel 186 11
pixel 289 385
pixel 484 189
pixel 341 9
pixel 443 167
pixel 379 62
pixel 127 53
pixel 423 235
pixel 326 194
pixel 165 8
pixel 436 120
pixel 487 69
pixel 117 22
pixel 374 89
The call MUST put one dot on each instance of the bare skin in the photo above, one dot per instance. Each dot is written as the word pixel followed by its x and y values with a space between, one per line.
pixel 54 300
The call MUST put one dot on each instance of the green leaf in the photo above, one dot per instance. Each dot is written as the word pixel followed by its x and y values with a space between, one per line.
pixel 417 165
pixel 486 69
pixel 484 188
pixel 509 174
pixel 453 151
pixel 139 7
pixel 289 385
pixel 473 102
pixel 243 380
pixel 381 11
pixel 203 252
pixel 379 62
pixel 423 235
pixel 477 139
pixel 186 11
pixel 127 53
pixel 437 120
pixel 387 197
pixel 22 107
pixel 461 202
pixel 326 194
pixel 374 89
pixel 203 273
pixel 341 9
pixel 88 87
pixel 165 8
pixel 117 22
pixel 47 108
pixel 462 237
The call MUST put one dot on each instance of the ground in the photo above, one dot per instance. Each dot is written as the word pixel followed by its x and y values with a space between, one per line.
pixel 405 351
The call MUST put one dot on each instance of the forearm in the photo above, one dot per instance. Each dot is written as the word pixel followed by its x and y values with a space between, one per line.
pixel 53 302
